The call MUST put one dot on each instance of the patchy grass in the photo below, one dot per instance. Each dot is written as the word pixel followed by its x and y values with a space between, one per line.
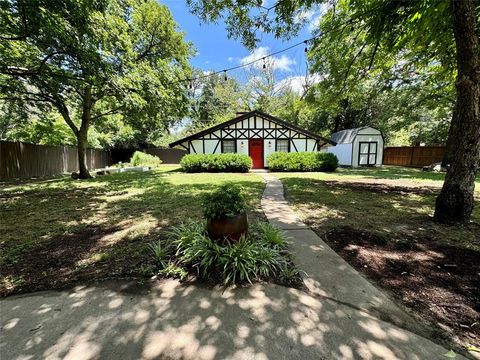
pixel 386 174
pixel 58 231
pixel 385 229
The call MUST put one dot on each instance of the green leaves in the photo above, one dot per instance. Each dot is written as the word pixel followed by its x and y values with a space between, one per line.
pixel 257 256
pixel 129 54
pixel 302 161
pixel 226 201
pixel 216 163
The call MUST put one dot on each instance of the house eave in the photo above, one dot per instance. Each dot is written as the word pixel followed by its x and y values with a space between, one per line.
pixel 246 116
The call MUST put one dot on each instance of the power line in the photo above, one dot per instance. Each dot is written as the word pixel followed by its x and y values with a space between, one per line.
pixel 304 42
pixel 252 61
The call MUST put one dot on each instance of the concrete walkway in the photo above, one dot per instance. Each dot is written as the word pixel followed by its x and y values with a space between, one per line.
pixel 328 274
pixel 338 318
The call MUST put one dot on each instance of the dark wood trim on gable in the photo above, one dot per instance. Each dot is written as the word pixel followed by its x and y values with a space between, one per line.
pixel 273 120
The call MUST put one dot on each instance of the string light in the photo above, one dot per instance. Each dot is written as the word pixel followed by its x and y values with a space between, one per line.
pixel 304 42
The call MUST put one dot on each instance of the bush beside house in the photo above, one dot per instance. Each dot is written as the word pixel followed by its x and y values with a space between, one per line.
pixel 216 163
pixel 142 159
pixel 302 161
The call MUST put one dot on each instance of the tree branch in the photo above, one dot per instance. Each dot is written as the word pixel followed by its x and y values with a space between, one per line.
pixel 110 112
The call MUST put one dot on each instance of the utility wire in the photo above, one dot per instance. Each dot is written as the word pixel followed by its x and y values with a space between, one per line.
pixel 250 62
pixel 304 42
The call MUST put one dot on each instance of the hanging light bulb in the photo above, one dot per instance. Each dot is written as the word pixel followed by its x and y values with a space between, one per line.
pixel 225 75
pixel 264 65
pixel 306 45
pixel 190 85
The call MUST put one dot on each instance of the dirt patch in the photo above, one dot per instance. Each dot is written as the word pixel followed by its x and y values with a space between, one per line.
pixel 438 281
pixel 384 187
pixel 65 259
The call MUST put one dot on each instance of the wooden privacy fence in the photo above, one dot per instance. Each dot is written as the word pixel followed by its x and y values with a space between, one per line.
pixel 413 156
pixel 168 156
pixel 23 160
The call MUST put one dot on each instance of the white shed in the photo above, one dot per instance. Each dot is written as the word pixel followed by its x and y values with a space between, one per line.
pixel 358 147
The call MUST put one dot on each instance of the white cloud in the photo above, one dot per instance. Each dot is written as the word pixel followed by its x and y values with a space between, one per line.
pixel 282 62
pixel 314 22
pixel 304 16
pixel 311 17
pixel 230 58
pixel 297 83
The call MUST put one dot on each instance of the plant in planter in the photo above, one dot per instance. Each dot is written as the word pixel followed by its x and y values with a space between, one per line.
pixel 225 211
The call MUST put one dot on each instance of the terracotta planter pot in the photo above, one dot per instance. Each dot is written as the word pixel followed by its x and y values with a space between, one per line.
pixel 231 228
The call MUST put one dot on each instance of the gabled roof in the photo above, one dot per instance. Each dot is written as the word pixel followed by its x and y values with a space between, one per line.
pixel 246 116
pixel 346 136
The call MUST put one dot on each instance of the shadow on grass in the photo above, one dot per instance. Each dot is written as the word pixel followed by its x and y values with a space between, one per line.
pixel 388 233
pixel 64 231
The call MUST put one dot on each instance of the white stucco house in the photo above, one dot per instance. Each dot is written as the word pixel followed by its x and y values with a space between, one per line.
pixel 253 133
pixel 358 147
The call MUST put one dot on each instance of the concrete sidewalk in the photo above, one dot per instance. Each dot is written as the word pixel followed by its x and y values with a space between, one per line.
pixel 340 317
pixel 328 274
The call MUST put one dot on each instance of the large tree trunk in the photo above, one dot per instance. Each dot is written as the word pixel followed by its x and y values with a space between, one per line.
pixel 455 202
pixel 82 138
pixel 82 145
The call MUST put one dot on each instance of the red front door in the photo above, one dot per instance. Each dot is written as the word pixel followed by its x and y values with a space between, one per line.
pixel 255 150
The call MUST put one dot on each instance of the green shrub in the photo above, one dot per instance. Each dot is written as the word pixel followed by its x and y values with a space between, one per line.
pixel 260 255
pixel 142 159
pixel 272 235
pixel 216 163
pixel 226 201
pixel 172 270
pixel 159 252
pixel 302 161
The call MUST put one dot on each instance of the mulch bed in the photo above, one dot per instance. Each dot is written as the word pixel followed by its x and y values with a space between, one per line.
pixel 440 282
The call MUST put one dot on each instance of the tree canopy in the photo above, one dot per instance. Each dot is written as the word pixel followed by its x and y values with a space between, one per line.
pixel 91 60
pixel 428 43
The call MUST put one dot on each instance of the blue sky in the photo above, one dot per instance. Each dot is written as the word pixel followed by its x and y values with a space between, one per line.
pixel 217 52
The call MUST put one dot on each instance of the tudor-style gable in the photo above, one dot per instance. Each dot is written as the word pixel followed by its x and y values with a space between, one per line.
pixel 253 125
pixel 237 134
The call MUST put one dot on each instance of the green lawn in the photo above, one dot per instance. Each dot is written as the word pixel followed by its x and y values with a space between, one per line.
pixel 381 222
pixel 390 201
pixel 60 230
pixel 400 174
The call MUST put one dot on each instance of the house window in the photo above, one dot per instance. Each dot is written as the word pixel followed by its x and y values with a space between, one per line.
pixel 228 146
pixel 282 145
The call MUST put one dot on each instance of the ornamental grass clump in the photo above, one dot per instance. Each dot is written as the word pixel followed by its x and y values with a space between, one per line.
pixel 260 255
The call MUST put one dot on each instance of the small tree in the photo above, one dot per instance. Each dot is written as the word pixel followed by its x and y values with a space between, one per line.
pixel 93 59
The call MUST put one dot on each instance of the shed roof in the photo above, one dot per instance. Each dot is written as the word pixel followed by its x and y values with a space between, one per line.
pixel 347 136
pixel 246 116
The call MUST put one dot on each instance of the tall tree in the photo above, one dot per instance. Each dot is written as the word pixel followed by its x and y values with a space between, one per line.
pixel 214 99
pixel 455 202
pixel 431 30
pixel 90 59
